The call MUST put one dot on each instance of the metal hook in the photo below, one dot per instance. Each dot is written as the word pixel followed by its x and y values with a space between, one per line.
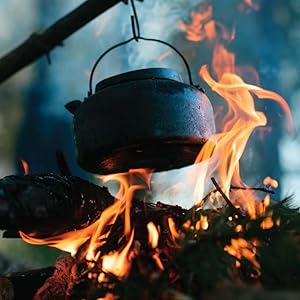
pixel 136 37
pixel 135 22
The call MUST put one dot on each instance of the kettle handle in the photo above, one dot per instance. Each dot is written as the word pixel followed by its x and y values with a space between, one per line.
pixel 135 38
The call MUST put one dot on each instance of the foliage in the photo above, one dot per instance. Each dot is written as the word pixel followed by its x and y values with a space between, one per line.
pixel 269 259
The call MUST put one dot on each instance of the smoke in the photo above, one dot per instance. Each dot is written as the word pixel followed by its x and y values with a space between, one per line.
pixel 158 19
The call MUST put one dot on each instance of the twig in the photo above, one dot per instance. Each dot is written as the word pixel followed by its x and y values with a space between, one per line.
pixel 232 187
pixel 224 196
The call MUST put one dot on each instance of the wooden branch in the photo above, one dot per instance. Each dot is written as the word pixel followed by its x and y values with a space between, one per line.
pixel 260 189
pixel 49 204
pixel 230 204
pixel 41 43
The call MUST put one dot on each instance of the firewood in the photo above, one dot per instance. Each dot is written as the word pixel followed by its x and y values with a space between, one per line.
pixel 49 204
pixel 6 289
pixel 56 286
pixel 23 285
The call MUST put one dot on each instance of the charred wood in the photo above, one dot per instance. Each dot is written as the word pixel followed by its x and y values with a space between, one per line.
pixel 23 285
pixel 62 280
pixel 49 204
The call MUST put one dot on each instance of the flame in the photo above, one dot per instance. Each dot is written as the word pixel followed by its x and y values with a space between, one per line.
pixel 202 26
pixel 172 228
pixel 108 296
pixel 89 240
pixel 267 223
pixel 158 261
pixel 270 181
pixel 240 248
pixel 153 235
pixel 220 156
pixel 118 263
pixel 202 223
pixel 25 166
pixel 69 242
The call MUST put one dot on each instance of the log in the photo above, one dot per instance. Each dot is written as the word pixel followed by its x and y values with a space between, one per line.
pixel 23 285
pixel 41 43
pixel 62 279
pixel 49 204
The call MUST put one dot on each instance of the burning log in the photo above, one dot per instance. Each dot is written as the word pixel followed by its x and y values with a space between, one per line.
pixel 49 204
pixel 57 286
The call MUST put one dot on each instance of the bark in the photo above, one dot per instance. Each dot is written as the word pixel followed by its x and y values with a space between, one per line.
pixel 23 285
pixel 49 204
pixel 63 278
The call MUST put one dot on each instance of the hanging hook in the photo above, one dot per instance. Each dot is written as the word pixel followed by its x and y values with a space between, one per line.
pixel 136 36
pixel 133 29
pixel 135 22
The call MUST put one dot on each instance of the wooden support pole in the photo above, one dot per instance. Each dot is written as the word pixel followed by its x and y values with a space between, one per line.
pixel 41 43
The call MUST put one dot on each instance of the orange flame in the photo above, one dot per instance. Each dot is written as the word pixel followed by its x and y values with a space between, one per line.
pixel 202 223
pixel 95 235
pixel 173 230
pixel 25 166
pixel 267 223
pixel 153 235
pixel 202 26
pixel 221 154
pixel 270 181
pixel 240 248
pixel 118 263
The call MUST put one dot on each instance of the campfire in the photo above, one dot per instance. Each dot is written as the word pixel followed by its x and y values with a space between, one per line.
pixel 120 243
